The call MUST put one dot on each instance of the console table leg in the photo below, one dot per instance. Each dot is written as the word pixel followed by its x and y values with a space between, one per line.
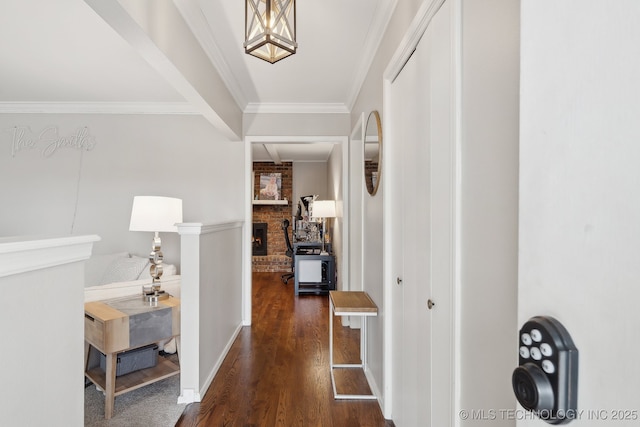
pixel 111 360
pixel 87 352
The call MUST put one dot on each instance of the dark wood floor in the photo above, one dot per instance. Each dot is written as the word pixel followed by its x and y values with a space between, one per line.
pixel 277 371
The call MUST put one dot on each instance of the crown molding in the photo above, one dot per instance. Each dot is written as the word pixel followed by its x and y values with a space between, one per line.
pixel 411 39
pixel 175 108
pixel 295 108
pixel 97 108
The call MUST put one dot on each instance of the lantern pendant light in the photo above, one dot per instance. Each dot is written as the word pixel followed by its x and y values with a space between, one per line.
pixel 270 29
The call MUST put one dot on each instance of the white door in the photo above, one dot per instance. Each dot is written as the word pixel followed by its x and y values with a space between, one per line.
pixel 420 153
pixel 410 144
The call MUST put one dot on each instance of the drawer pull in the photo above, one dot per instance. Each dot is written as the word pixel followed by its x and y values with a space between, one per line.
pixel 89 317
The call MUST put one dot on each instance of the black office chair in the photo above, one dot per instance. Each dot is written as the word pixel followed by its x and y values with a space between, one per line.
pixel 289 252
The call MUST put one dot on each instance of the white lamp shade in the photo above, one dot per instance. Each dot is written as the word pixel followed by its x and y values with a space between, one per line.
pixel 153 213
pixel 324 209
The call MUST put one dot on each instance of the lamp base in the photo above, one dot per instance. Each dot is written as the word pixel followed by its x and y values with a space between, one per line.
pixel 155 296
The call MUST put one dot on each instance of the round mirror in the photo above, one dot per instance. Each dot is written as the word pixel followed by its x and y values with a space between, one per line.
pixel 372 152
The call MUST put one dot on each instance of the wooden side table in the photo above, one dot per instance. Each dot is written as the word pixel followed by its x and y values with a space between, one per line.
pixel 122 324
pixel 350 303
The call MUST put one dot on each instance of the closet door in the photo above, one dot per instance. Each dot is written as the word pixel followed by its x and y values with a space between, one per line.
pixel 420 150
pixel 412 327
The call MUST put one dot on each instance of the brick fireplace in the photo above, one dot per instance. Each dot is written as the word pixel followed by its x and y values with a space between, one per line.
pixel 259 239
pixel 275 259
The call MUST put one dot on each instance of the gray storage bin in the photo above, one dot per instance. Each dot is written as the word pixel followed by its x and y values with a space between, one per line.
pixel 133 360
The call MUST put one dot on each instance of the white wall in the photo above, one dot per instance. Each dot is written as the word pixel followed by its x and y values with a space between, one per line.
pixel 290 124
pixel 579 209
pixel 309 178
pixel 91 192
pixel 372 276
pixel 335 191
pixel 489 221
pixel 211 296
pixel 356 189
pixel 42 323
pixel 370 95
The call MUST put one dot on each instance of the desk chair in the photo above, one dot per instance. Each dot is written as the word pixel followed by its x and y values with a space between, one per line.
pixel 289 252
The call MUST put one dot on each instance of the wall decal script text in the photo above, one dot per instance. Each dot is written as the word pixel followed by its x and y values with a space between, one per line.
pixel 49 140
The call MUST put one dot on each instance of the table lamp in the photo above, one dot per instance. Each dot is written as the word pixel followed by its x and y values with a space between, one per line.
pixel 156 214
pixel 324 209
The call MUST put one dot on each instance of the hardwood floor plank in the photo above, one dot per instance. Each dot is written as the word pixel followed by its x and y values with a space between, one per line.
pixel 277 371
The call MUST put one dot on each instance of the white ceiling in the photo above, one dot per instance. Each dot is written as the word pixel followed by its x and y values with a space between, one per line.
pixel 63 53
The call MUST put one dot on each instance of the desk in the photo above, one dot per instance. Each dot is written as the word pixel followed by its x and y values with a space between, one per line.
pixel 121 324
pixel 310 248
pixel 314 274
pixel 350 303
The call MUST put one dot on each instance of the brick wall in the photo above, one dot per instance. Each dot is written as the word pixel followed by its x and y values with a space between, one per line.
pixel 273 215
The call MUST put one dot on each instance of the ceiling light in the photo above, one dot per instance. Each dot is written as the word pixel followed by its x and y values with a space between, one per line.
pixel 270 29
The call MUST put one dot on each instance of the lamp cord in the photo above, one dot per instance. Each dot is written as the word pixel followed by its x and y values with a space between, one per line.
pixel 75 208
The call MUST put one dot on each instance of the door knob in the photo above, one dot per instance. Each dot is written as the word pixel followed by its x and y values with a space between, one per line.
pixel 398 280
pixel 430 304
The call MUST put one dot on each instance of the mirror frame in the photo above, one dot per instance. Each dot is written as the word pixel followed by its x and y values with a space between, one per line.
pixel 375 115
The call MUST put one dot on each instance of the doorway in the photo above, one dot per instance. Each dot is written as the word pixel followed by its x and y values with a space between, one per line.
pixel 338 186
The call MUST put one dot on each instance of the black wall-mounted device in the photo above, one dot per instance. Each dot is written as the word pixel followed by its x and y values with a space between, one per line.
pixel 546 380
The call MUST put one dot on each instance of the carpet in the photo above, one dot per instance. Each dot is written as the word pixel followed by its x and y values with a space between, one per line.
pixel 152 405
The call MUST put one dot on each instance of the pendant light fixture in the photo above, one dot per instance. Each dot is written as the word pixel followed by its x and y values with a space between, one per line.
pixel 270 29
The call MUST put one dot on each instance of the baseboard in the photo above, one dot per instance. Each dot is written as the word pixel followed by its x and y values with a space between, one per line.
pixel 188 396
pixel 374 386
pixel 216 367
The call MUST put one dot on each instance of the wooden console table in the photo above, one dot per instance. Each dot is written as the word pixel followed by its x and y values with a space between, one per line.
pixel 350 303
pixel 121 324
